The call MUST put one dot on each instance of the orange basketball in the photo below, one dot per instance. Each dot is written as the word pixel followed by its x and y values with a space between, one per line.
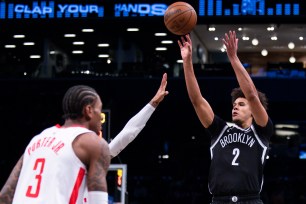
pixel 180 18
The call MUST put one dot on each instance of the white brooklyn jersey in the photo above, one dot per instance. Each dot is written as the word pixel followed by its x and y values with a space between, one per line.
pixel 51 172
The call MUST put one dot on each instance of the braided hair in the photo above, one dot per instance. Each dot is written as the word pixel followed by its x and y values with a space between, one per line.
pixel 76 98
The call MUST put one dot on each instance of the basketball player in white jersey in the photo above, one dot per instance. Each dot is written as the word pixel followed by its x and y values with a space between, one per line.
pixel 239 151
pixel 135 124
pixel 61 163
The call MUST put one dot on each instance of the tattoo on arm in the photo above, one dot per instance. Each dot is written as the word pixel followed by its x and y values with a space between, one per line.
pixel 97 179
pixel 8 190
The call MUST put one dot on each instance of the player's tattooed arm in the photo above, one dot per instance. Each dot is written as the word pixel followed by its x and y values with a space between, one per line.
pixel 98 167
pixel 8 190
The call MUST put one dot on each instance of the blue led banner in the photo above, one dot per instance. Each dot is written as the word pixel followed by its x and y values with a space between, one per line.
pixel 131 9
pixel 51 9
pixel 249 8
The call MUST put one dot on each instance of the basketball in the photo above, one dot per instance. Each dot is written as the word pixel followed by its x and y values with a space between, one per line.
pixel 180 18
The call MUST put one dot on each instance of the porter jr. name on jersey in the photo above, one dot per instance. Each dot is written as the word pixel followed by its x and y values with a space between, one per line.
pixel 47 142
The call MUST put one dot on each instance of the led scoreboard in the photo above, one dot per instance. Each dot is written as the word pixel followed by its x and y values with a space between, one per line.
pixel 208 10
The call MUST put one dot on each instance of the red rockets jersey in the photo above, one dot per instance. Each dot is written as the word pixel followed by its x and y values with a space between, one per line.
pixel 51 171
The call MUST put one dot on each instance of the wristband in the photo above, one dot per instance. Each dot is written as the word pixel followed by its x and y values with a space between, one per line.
pixel 97 197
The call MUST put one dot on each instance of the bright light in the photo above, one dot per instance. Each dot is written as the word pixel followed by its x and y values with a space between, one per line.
pixel 273 38
pixel 19 36
pixel 88 30
pixel 211 29
pixel 264 52
pixel 103 45
pixel 254 42
pixel 77 52
pixel 161 49
pixel 78 43
pixel 167 42
pixel 28 43
pixel 132 29
pixel 34 56
pixel 103 56
pixel 292 59
pixel 10 46
pixel 291 45
pixel 160 34
pixel 69 35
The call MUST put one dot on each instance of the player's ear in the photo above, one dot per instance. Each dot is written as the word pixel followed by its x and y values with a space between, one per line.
pixel 87 112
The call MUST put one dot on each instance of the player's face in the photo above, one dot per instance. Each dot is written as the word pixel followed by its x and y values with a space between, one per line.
pixel 96 116
pixel 241 111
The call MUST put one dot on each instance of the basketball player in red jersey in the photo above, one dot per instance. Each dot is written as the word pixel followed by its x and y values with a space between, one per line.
pixel 61 163
pixel 238 152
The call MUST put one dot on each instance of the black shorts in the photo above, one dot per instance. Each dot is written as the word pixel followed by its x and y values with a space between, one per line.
pixel 252 199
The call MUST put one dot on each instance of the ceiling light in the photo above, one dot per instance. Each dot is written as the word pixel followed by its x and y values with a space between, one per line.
pixel 273 38
pixel 78 43
pixel 291 45
pixel 292 59
pixel 161 49
pixel 10 46
pixel 240 29
pixel 254 42
pixel 301 38
pixel 19 36
pixel 88 30
pixel 211 29
pixel 167 42
pixel 103 55
pixel 271 28
pixel 69 35
pixel 132 29
pixel 77 52
pixel 179 61
pixel 160 34
pixel 245 38
pixel 34 56
pixel 216 38
pixel 285 132
pixel 264 52
pixel 292 126
pixel 28 43
pixel 103 45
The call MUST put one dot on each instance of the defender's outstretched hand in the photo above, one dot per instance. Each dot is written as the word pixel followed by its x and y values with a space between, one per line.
pixel 161 92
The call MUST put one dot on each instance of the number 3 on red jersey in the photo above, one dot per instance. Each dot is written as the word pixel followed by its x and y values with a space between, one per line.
pixel 38 167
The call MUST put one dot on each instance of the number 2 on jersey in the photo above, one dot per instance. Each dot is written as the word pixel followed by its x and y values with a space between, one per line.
pixel 41 163
pixel 236 152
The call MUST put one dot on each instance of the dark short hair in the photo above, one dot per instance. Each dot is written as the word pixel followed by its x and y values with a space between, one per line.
pixel 75 99
pixel 237 93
